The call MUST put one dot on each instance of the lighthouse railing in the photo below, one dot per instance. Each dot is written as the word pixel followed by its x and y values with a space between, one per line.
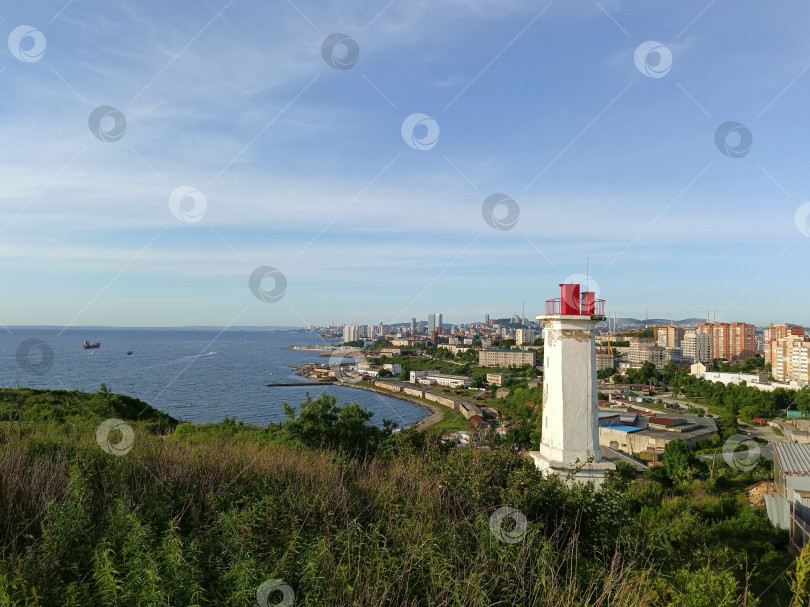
pixel 554 306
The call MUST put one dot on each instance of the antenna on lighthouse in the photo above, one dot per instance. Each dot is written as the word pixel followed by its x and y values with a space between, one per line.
pixel 587 268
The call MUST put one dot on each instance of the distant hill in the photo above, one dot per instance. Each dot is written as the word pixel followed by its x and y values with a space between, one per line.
pixel 635 323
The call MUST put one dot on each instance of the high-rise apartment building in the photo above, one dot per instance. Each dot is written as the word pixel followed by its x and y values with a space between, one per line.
pixel 776 332
pixel 351 333
pixel 731 341
pixel 696 347
pixel 605 361
pixel 435 322
pixel 413 326
pixel 524 336
pixel 789 358
pixel 669 336
pixel 431 323
pixel 642 351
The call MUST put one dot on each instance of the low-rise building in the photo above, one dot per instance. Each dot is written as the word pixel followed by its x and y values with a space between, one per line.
pixel 442 400
pixel 699 369
pixel 506 358
pixel 468 409
pixel 420 392
pixel 496 379
pixel 759 381
pixel 478 422
pixel 789 506
pixel 635 431
pixel 388 385
pixel 736 378
pixel 454 349
pixel 434 378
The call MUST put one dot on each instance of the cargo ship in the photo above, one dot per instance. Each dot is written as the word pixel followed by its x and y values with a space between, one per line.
pixel 91 344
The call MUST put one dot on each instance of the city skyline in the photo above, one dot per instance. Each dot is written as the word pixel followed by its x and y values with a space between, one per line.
pixel 689 323
pixel 243 166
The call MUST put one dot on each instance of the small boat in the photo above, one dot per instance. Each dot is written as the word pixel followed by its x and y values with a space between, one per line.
pixel 91 344
pixel 129 352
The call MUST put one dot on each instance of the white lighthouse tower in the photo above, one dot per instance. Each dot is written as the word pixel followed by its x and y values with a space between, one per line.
pixel 570 436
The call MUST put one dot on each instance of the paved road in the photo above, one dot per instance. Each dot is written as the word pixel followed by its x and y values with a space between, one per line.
pixel 765 451
pixel 765 432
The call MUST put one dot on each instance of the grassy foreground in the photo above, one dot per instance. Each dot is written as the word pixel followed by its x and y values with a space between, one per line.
pixel 327 510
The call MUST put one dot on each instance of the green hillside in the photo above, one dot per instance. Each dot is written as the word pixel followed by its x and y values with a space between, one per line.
pixel 344 513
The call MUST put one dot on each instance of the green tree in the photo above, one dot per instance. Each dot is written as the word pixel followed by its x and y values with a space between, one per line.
pixel 322 423
pixel 706 587
pixel 800 579
pixel 648 373
pixel 676 384
pixel 678 460
pixel 669 371
pixel 619 479
pixel 519 437
pixel 104 391
pixel 659 475
pixel 605 373
pixel 802 399
pixel 782 399
pixel 727 424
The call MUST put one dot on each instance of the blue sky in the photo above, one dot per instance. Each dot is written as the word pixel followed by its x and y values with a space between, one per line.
pixel 303 167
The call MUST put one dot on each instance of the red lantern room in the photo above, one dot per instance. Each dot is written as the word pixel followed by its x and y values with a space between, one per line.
pixel 573 303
